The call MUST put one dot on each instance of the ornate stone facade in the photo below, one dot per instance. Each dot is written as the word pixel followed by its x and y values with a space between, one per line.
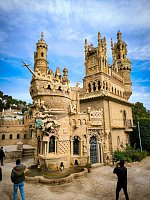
pixel 77 125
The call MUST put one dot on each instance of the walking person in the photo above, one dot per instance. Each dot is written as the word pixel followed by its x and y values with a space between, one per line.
pixel 2 155
pixel 121 172
pixel 18 177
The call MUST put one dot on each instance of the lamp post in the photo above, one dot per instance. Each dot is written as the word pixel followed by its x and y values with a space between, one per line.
pixel 139 136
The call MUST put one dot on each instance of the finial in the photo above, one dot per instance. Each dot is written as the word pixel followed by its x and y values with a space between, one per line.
pixel 112 44
pixel 42 36
pixel 85 41
pixel 99 37
pixel 119 35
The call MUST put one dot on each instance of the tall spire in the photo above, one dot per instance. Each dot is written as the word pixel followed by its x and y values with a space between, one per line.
pixel 42 35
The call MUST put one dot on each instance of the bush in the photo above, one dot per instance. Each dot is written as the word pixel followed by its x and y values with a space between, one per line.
pixel 118 155
pixel 129 154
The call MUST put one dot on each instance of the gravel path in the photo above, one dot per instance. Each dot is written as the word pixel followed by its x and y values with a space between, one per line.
pixel 98 185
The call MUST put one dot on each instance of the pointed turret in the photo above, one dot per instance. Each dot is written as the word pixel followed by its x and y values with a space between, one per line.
pixel 40 56
pixel 122 63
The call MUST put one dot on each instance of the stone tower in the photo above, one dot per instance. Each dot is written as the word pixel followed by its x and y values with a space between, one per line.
pixel 121 63
pixel 107 88
pixel 96 63
pixel 40 56
pixel 50 92
pixel 51 88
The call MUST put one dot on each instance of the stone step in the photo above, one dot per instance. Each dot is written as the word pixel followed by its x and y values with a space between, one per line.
pixel 28 152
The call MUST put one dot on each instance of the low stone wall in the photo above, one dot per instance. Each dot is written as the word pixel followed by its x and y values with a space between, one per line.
pixel 41 179
pixel 12 155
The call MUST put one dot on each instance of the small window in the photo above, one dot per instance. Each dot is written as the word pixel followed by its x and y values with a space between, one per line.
pixel 124 117
pixel 99 85
pixel 25 136
pixel 49 87
pixel 59 88
pixel 76 145
pixel 103 85
pixel 52 144
pixel 106 86
pixel 89 87
pixel 18 136
pixel 31 134
pixel 10 136
pixel 94 86
pixel 42 54
pixel 3 136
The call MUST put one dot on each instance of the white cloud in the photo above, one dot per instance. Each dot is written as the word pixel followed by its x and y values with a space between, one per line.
pixel 140 94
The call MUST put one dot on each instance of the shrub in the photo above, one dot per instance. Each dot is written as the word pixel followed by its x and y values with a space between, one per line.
pixel 118 155
pixel 129 154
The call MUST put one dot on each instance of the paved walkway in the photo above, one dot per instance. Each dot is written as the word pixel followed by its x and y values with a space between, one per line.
pixel 98 185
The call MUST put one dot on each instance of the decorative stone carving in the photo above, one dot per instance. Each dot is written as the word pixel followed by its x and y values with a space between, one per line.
pixel 84 145
pixel 98 133
pixel 96 113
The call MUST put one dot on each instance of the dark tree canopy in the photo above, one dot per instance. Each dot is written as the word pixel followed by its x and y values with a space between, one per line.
pixel 141 115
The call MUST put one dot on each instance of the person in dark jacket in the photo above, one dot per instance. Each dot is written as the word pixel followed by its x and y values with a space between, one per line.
pixel 121 172
pixel 0 173
pixel 18 177
pixel 2 155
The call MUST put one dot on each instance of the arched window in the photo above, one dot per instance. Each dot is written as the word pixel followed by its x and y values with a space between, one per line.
pixel 49 87
pixel 115 90
pixel 31 134
pixel 59 88
pixel 118 142
pixel 112 90
pixel 124 117
pixel 10 136
pixel 103 85
pixel 106 86
pixel 89 87
pixel 94 87
pixel 42 54
pixel 76 145
pixel 93 150
pixel 3 136
pixel 25 136
pixel 99 85
pixel 18 136
pixel 52 144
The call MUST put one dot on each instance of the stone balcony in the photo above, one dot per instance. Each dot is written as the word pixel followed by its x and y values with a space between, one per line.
pixel 119 124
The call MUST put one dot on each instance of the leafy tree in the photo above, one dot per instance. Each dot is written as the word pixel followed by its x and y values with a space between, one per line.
pixel 7 101
pixel 141 115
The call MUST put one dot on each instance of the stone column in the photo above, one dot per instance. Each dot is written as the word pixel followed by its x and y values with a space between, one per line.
pixel 41 148
pixel 101 153
pixel 45 147
pixel 98 152
pixel 81 149
pixel 55 146
pixel 71 147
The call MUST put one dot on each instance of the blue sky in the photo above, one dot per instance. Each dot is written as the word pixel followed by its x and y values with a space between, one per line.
pixel 65 25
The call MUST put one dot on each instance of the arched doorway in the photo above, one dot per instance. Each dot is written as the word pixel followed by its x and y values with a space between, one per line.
pixel 93 150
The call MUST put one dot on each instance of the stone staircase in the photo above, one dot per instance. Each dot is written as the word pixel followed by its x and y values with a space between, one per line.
pixel 28 152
